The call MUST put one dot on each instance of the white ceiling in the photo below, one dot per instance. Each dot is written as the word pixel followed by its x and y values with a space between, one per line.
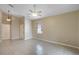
pixel 47 9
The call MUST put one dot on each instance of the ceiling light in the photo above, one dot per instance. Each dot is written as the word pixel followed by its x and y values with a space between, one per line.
pixel 34 12
pixel 8 19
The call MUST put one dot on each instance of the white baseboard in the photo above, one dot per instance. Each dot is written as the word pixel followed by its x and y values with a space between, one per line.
pixel 59 43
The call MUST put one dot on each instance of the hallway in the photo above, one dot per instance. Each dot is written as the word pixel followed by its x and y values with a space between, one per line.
pixel 34 47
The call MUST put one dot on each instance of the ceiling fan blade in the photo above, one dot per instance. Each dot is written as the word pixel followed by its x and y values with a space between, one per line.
pixel 11 5
pixel 30 10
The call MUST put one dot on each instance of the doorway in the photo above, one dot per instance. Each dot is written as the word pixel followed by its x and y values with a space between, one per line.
pixel 13 29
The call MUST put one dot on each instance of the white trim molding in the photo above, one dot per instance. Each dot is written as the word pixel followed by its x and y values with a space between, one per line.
pixel 59 43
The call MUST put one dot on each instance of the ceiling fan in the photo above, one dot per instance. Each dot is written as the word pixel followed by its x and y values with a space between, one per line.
pixel 34 12
pixel 11 5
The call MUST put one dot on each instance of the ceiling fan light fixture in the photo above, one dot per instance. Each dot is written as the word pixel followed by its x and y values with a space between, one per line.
pixel 34 14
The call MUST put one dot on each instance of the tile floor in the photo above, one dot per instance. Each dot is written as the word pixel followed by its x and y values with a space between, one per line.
pixel 34 47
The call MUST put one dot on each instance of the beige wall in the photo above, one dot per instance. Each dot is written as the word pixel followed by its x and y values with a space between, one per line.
pixel 0 25
pixel 62 28
pixel 22 28
pixel 11 30
pixel 5 31
pixel 78 26
pixel 0 29
pixel 5 27
pixel 17 28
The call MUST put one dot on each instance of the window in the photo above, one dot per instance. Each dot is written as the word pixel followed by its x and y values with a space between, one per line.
pixel 39 29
